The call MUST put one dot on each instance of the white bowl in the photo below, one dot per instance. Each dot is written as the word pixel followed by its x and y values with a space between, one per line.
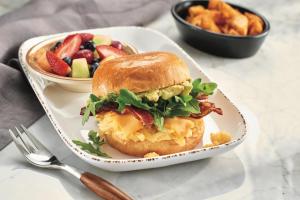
pixel 67 83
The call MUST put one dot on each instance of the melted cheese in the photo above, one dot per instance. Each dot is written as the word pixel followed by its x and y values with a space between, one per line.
pixel 127 127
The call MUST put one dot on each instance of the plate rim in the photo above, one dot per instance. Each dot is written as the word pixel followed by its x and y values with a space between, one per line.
pixel 77 151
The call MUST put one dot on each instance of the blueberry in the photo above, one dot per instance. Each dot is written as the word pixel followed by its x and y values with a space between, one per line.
pixel 57 44
pixel 68 60
pixel 96 60
pixel 90 45
pixel 94 66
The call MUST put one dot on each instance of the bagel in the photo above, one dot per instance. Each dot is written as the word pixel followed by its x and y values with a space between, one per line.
pixel 159 74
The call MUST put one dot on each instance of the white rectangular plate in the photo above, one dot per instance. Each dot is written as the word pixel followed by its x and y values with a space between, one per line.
pixel 62 107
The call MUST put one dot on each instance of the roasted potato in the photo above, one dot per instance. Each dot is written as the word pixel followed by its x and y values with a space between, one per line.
pixel 255 25
pixel 220 17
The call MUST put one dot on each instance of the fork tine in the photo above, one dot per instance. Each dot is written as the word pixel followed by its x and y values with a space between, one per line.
pixel 33 139
pixel 28 146
pixel 17 143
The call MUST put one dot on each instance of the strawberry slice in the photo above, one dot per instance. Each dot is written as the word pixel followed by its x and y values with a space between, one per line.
pixel 69 47
pixel 106 51
pixel 57 65
pixel 85 53
pixel 86 37
pixel 69 37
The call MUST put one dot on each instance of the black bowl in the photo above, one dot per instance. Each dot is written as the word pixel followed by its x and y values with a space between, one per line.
pixel 215 43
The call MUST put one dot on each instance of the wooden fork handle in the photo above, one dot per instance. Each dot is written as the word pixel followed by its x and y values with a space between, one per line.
pixel 102 187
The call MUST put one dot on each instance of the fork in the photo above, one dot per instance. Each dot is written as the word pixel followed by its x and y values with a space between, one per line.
pixel 37 154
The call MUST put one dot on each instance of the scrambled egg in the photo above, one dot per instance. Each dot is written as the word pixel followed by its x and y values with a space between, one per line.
pixel 151 155
pixel 168 92
pixel 126 127
pixel 219 138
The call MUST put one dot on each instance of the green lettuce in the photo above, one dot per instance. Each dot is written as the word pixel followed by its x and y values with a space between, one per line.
pixel 180 105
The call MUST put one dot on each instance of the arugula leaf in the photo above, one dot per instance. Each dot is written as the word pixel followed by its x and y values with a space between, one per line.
pixel 181 108
pixel 93 136
pixel 98 105
pixel 193 106
pixel 179 100
pixel 161 105
pixel 95 103
pixel 127 97
pixel 178 111
pixel 86 114
pixel 92 108
pixel 94 98
pixel 206 88
pixel 186 98
pixel 92 147
pixel 196 87
pixel 158 120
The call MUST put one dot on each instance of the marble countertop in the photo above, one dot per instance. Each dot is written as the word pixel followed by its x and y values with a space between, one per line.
pixel 265 166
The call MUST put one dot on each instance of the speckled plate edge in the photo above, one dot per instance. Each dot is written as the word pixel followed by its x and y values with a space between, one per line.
pixel 94 159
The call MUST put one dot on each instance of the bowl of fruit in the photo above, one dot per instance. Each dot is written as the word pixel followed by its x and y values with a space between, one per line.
pixel 70 61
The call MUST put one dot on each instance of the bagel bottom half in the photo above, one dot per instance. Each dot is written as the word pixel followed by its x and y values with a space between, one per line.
pixel 139 148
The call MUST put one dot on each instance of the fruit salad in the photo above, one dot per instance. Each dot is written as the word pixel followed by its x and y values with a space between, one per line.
pixel 80 54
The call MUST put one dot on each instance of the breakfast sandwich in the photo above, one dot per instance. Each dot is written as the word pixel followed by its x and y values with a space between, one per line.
pixel 148 104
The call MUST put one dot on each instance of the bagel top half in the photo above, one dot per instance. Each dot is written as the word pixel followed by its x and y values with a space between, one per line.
pixel 139 73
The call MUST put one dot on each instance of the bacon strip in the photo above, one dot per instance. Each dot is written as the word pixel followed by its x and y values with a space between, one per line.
pixel 147 119
pixel 206 108
pixel 202 97
pixel 107 108
pixel 144 116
